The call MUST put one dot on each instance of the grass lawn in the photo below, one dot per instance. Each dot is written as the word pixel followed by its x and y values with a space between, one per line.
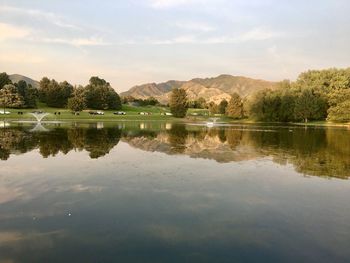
pixel 132 113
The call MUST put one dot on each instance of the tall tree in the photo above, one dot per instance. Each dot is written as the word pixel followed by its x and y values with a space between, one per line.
pixel 178 103
pixel 28 93
pixel 213 108
pixel 77 102
pixel 44 85
pixel 4 79
pixel 100 95
pixel 235 107
pixel 339 101
pixel 10 98
pixel 222 106
pixel 309 106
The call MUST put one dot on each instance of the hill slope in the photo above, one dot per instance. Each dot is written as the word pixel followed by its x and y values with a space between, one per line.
pixel 16 78
pixel 211 89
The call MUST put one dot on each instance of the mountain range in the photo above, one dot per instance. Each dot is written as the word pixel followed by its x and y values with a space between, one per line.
pixel 211 89
pixel 15 78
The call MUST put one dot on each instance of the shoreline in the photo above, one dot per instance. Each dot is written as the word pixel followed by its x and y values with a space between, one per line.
pixel 156 118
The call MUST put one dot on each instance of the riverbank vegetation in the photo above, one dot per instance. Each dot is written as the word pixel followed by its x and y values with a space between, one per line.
pixel 317 95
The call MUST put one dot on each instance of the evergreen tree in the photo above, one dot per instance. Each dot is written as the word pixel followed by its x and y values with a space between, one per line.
pixel 4 79
pixel 222 106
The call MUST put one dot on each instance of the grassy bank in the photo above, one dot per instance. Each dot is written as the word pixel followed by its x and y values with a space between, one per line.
pixel 132 114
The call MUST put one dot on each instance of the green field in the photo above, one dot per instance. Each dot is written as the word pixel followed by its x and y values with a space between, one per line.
pixel 132 113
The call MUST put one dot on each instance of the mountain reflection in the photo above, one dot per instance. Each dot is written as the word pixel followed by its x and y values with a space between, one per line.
pixel 312 151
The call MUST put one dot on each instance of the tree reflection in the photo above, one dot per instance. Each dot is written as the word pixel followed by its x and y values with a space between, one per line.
pixel 312 151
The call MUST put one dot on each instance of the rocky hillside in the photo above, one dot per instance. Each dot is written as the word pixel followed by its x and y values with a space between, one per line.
pixel 211 89
pixel 16 77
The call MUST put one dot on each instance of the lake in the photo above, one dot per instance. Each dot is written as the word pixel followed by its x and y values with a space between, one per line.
pixel 170 192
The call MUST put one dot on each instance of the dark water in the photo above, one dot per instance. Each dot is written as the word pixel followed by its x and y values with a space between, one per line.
pixel 161 192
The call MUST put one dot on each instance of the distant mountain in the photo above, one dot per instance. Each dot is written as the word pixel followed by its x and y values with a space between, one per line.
pixel 15 78
pixel 211 89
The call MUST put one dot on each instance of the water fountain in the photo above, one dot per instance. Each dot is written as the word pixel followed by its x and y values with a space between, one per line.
pixel 39 116
pixel 212 122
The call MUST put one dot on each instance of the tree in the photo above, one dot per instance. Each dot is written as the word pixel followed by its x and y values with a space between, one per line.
pixel 43 87
pixel 9 97
pixel 222 106
pixel 235 107
pixel 4 79
pixel 77 102
pixel 28 93
pixel 55 94
pixel 340 105
pixel 213 108
pixel 178 102
pixel 309 106
pixel 100 95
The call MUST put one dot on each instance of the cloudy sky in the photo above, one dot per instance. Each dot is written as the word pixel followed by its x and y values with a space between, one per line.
pixel 132 42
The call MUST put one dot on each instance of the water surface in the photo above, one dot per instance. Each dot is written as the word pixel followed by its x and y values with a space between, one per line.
pixel 165 192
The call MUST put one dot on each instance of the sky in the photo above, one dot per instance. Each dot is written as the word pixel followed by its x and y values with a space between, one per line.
pixel 133 42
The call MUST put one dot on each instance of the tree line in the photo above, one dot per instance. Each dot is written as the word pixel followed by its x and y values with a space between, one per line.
pixel 98 94
pixel 315 95
pixel 16 95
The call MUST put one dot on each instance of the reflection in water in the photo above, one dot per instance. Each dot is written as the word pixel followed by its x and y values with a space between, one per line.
pixel 220 194
pixel 312 151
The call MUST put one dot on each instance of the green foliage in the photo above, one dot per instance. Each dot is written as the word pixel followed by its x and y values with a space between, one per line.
pixel 4 79
pixel 222 106
pixel 10 98
pixel 213 108
pixel 308 98
pixel 28 93
pixel 77 102
pixel 43 87
pixel 178 103
pixel 200 103
pixel 100 95
pixel 340 105
pixel 309 106
pixel 234 107
pixel 55 94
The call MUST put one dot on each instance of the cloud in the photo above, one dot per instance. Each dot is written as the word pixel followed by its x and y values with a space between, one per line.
pixel 164 4
pixel 39 15
pixel 8 31
pixel 77 42
pixel 195 26
pixel 257 34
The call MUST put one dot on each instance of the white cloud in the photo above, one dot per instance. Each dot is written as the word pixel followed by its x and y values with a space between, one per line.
pixel 8 31
pixel 195 26
pixel 40 15
pixel 257 34
pixel 78 42
pixel 163 4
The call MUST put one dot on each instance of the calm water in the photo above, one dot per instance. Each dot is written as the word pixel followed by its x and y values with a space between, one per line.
pixel 162 192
